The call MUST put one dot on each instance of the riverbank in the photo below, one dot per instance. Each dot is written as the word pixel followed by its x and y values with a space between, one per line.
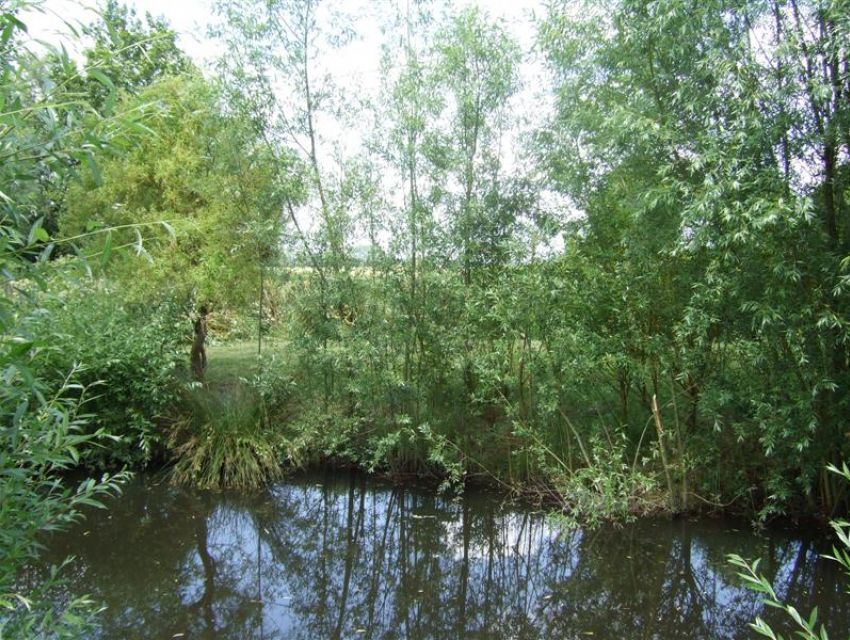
pixel 251 422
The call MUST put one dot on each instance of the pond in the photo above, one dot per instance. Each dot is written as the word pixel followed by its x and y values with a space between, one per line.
pixel 345 556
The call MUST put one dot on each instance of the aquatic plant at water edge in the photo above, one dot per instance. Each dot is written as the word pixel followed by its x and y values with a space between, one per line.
pixel 805 628
pixel 225 440
pixel 604 486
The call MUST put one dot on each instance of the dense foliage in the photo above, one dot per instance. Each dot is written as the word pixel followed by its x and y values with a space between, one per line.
pixel 691 334
pixel 637 301
pixel 45 428
pixel 130 366
pixel 645 297
pixel 713 168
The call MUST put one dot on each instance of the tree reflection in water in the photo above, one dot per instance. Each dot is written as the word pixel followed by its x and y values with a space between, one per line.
pixel 343 557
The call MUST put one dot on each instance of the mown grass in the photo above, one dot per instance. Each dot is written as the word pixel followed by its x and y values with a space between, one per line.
pixel 227 363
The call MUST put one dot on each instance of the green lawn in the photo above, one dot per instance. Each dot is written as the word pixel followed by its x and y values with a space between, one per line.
pixel 226 363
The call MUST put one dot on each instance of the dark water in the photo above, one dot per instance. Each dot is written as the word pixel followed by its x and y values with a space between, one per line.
pixel 346 557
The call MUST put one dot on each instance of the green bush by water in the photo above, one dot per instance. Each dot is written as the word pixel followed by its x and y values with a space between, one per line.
pixel 225 439
pixel 131 354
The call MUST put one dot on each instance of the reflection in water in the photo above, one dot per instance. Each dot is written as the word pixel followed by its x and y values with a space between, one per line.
pixel 343 557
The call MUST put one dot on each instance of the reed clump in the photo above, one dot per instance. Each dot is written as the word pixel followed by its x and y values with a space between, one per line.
pixel 224 441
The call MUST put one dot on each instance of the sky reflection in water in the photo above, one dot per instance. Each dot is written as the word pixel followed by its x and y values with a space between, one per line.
pixel 345 557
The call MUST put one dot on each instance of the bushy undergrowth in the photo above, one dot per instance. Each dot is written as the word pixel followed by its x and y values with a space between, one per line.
pixel 130 355
pixel 607 488
pixel 47 430
pixel 497 379
pixel 44 435
pixel 460 393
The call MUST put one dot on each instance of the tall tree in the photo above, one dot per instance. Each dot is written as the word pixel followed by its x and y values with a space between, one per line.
pixel 128 53
pixel 207 175
pixel 403 132
pixel 720 124
pixel 274 54
pixel 476 67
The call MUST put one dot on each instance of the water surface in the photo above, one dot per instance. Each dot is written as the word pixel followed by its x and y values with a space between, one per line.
pixel 343 556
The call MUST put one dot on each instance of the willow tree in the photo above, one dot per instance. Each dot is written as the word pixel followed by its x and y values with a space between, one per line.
pixel 476 69
pixel 722 127
pixel 276 77
pixel 404 119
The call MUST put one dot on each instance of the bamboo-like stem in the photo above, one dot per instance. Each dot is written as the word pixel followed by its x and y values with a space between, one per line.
pixel 680 451
pixel 660 429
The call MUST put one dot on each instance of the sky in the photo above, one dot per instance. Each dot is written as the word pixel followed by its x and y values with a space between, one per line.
pixel 191 18
pixel 356 68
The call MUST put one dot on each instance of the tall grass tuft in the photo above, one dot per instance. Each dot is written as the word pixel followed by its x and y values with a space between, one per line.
pixel 225 441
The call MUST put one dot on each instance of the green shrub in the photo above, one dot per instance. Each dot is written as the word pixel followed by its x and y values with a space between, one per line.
pixel 225 440
pixel 43 434
pixel 131 354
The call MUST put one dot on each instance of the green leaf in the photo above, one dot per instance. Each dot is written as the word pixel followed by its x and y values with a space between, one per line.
pixel 107 249
pixel 169 229
pixel 41 235
pixel 91 163
pixel 102 78
pixel 37 233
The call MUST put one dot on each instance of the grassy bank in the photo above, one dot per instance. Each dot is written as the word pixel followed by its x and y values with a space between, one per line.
pixel 255 418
